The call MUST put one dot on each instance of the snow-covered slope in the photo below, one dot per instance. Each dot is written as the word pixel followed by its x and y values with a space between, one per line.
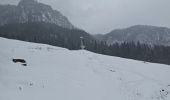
pixel 54 73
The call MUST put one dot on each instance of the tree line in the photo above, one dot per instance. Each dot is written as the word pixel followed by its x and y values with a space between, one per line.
pixel 52 34
pixel 136 51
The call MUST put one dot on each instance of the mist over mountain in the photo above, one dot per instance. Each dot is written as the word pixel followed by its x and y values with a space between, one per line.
pixel 32 11
pixel 28 11
pixel 145 34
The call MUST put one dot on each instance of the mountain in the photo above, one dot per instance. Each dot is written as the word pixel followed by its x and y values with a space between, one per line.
pixel 54 73
pixel 151 35
pixel 36 22
pixel 32 11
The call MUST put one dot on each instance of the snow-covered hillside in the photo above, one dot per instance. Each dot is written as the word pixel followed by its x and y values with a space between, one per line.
pixel 54 73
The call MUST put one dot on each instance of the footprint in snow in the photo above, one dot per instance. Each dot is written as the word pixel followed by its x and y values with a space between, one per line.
pixel 20 88
pixel 112 70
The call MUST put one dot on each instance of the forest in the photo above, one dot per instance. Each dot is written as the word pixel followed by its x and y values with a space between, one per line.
pixel 52 34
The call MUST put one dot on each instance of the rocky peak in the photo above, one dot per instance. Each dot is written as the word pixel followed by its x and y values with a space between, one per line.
pixel 28 2
pixel 31 4
pixel 33 11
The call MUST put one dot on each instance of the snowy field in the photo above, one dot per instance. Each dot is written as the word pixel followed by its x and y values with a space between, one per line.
pixel 54 73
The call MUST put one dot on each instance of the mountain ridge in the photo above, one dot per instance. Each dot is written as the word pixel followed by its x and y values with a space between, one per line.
pixel 32 11
pixel 146 34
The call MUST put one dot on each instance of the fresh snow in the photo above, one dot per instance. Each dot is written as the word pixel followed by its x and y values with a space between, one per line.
pixel 54 73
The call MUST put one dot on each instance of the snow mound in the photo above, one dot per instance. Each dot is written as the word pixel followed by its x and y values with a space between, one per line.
pixel 54 73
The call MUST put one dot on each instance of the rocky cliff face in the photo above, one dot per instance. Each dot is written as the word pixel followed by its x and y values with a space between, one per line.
pixel 140 33
pixel 32 11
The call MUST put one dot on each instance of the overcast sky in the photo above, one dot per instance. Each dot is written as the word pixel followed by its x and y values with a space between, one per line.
pixel 102 16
